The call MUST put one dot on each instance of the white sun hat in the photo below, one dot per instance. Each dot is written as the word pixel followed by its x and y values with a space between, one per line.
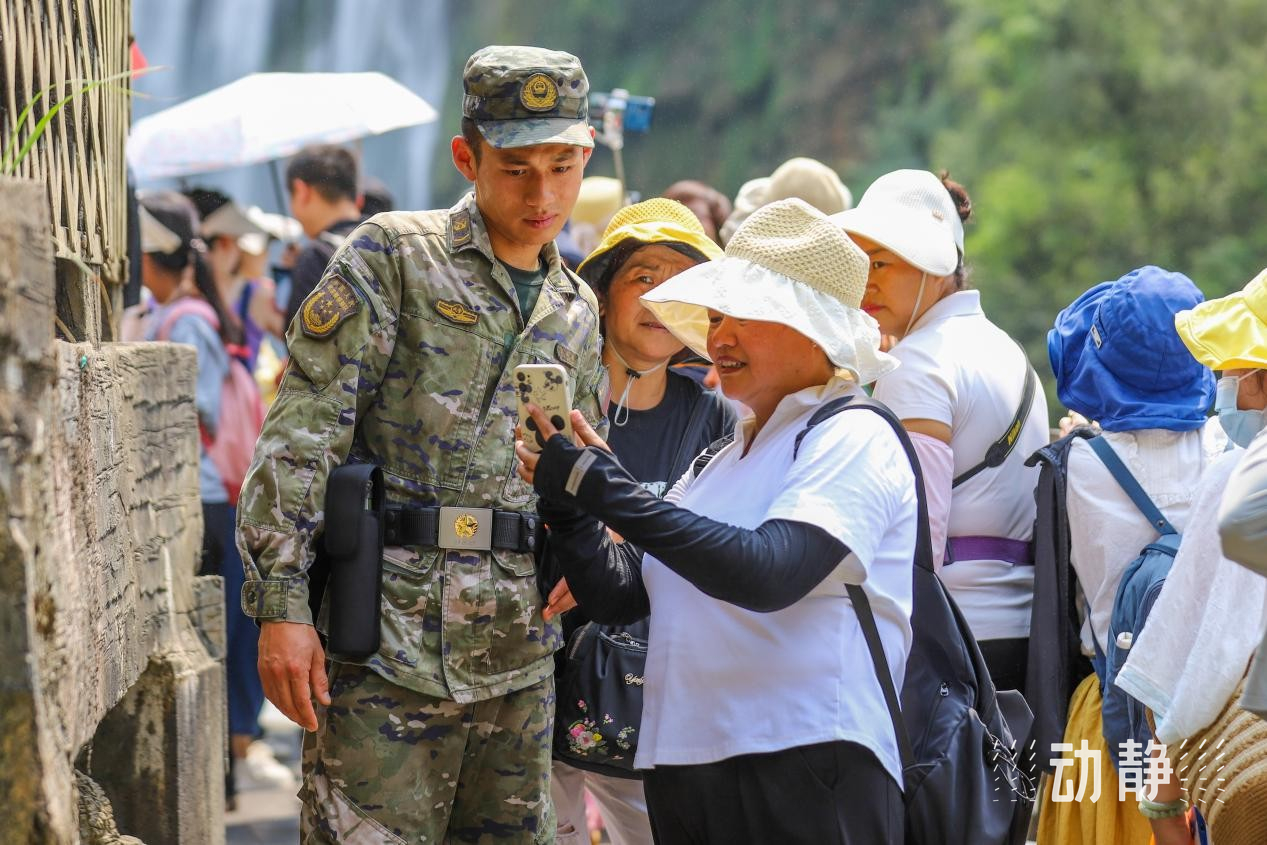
pixel 910 213
pixel 155 237
pixel 786 264
pixel 271 227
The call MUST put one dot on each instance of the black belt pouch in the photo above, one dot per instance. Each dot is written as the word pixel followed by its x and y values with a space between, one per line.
pixel 355 505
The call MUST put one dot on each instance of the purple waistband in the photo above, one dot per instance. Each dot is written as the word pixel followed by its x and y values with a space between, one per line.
pixel 1015 552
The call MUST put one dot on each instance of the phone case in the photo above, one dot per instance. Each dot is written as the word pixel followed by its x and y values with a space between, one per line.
pixel 546 386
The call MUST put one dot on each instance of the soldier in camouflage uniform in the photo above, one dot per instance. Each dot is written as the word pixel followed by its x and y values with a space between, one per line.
pixel 403 356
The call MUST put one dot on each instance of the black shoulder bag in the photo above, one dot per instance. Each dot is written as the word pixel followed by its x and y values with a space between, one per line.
pixel 599 694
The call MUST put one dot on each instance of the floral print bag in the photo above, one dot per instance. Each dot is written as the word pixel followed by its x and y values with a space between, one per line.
pixel 600 698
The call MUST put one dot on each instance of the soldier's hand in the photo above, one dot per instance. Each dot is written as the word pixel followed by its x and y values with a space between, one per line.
pixel 292 667
pixel 560 600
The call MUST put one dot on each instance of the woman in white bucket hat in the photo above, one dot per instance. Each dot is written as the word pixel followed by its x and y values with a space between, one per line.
pixel 763 718
pixel 966 392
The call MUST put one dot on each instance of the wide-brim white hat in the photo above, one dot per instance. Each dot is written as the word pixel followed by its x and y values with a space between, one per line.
pixel 272 227
pixel 911 214
pixel 155 237
pixel 788 264
pixel 230 221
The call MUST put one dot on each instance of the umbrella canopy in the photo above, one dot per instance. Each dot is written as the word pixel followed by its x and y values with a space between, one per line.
pixel 266 116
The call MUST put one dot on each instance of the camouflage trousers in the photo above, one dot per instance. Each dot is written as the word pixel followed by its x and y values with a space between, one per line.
pixel 389 765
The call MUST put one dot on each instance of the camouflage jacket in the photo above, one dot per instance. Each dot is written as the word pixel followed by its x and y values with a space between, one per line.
pixel 403 356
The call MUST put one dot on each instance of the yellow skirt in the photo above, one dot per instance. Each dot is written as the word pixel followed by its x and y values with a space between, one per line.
pixel 1106 821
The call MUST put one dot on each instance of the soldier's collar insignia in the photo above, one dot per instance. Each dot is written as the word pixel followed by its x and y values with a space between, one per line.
pixel 460 227
pixel 456 312
pixel 327 307
pixel 539 93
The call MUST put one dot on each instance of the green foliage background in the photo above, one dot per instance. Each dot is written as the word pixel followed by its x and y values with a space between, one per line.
pixel 1093 137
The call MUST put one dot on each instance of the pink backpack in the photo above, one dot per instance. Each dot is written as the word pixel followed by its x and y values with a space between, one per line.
pixel 241 409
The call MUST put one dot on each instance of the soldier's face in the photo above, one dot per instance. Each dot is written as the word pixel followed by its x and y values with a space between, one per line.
pixel 525 194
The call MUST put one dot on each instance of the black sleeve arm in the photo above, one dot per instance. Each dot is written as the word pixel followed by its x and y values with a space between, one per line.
pixel 763 569
pixel 605 577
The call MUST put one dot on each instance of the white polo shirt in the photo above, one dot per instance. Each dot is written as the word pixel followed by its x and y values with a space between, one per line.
pixel 960 369
pixel 723 681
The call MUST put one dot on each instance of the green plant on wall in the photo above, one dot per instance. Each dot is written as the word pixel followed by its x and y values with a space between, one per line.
pixel 13 154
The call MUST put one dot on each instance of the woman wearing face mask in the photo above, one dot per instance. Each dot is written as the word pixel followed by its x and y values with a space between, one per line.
pixel 1238 324
pixel 1119 362
pixel 1188 662
pixel 1227 335
pixel 965 390
pixel 660 421
pixel 1243 511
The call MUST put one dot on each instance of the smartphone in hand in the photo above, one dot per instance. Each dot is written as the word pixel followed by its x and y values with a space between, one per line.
pixel 546 386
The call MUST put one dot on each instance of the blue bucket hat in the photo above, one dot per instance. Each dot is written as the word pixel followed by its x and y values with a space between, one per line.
pixel 1119 361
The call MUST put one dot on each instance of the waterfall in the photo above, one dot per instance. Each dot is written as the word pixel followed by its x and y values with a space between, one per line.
pixel 206 45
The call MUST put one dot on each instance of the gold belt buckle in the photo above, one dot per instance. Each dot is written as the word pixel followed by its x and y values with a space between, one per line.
pixel 466 528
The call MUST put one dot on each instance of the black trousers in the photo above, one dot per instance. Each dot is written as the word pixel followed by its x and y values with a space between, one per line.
pixel 833 793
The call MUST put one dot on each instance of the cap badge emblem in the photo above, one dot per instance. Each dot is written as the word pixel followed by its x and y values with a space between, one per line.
pixel 539 93
pixel 465 526
pixel 937 215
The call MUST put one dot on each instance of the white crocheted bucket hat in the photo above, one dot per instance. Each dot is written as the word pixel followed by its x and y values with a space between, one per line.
pixel 786 264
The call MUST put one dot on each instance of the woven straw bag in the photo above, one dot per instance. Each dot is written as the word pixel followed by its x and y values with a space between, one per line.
pixel 1224 769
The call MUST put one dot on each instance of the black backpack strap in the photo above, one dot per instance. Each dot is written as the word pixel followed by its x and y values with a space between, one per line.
pixel 923 557
pixel 1130 485
pixel 1001 448
pixel 824 412
pixel 705 457
pixel 866 618
pixel 923 540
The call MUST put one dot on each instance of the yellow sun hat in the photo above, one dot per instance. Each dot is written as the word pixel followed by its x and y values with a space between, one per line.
pixel 654 221
pixel 1229 333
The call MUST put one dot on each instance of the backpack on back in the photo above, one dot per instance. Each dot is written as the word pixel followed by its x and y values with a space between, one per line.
pixel 1124 717
pixel 1056 664
pixel 963 783
pixel 241 408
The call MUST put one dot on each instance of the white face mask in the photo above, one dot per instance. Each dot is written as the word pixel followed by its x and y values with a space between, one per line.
pixel 1240 426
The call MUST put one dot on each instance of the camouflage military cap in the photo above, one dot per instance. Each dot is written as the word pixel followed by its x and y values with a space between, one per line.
pixel 521 96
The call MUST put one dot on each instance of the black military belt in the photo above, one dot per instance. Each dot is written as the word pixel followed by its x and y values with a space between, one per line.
pixel 479 529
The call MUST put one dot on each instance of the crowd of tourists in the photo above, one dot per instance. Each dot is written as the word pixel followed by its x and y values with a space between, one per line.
pixel 813 566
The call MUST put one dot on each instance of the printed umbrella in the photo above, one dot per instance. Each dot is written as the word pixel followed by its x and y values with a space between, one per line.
pixel 267 116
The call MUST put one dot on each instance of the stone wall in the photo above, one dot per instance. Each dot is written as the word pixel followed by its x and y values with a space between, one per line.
pixel 111 643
